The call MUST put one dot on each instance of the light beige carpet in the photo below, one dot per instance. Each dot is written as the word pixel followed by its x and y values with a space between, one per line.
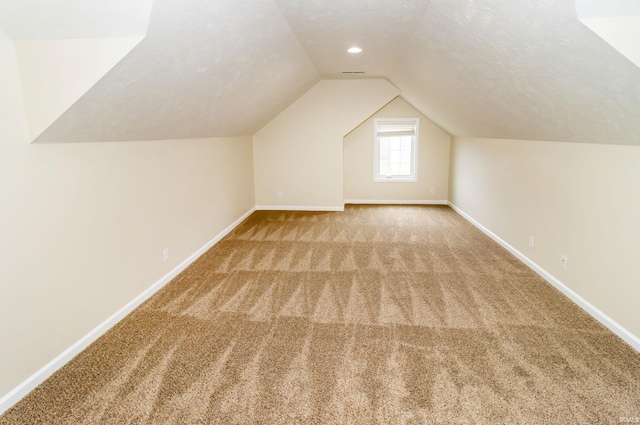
pixel 401 314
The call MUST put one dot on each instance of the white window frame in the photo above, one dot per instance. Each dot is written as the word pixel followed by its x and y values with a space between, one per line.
pixel 413 177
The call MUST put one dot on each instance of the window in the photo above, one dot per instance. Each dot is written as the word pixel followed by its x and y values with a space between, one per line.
pixel 395 149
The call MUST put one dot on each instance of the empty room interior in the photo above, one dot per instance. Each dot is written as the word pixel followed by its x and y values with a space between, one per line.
pixel 289 211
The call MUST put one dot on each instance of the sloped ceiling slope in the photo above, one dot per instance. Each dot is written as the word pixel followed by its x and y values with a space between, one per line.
pixel 206 68
pixel 615 21
pixel 516 69
pixel 73 19
pixel 327 28
pixel 519 70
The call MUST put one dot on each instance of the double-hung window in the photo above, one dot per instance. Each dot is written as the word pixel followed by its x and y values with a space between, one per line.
pixel 395 150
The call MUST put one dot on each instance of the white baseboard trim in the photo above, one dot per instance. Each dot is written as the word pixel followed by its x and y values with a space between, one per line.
pixel 296 208
pixel 45 372
pixel 395 202
pixel 614 326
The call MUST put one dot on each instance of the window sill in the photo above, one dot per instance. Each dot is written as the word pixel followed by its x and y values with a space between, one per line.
pixel 394 180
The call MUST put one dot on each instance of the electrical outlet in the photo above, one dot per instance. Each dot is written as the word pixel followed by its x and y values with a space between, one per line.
pixel 165 254
pixel 433 190
pixel 563 262
pixel 531 241
pixel 280 195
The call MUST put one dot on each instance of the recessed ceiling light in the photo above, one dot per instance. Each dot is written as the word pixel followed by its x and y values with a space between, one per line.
pixel 354 50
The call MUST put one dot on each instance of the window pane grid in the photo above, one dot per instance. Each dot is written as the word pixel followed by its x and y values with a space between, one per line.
pixel 395 155
pixel 395 149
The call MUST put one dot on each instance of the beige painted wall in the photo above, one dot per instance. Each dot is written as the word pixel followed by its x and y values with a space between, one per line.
pixel 433 160
pixel 83 226
pixel 299 153
pixel 12 117
pixel 56 73
pixel 577 200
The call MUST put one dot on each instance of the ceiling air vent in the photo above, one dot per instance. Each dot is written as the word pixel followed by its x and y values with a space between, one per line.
pixel 352 72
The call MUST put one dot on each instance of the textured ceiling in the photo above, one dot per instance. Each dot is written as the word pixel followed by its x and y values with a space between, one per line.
pixel 521 70
pixel 327 28
pixel 616 21
pixel 48 19
pixel 206 68
pixel 592 8
pixel 516 69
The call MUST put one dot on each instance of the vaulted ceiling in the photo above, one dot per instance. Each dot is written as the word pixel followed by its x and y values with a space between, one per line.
pixel 513 69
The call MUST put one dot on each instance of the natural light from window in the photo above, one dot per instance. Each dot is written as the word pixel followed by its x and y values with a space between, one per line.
pixel 395 149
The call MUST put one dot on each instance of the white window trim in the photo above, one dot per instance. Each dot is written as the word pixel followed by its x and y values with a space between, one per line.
pixel 414 152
